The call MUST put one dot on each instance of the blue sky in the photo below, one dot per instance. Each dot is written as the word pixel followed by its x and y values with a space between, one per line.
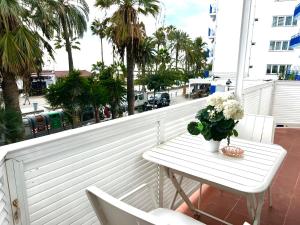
pixel 190 16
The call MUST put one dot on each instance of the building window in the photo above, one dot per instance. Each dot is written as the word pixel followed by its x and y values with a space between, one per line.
pixel 288 20
pixel 284 21
pixel 277 45
pixel 285 46
pixel 272 45
pixel 280 46
pixel 274 69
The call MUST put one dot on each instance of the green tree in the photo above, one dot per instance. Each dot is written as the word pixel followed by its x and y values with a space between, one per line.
pixel 113 83
pixel 146 55
pixel 163 58
pixel 161 80
pixel 11 130
pixel 70 94
pixel 200 55
pixel 160 41
pixel 178 39
pixel 128 32
pixel 100 28
pixel 71 19
pixel 97 95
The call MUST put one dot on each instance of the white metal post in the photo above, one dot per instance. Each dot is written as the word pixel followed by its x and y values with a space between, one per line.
pixel 244 34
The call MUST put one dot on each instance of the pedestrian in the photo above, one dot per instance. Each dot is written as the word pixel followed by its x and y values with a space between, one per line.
pixel 26 96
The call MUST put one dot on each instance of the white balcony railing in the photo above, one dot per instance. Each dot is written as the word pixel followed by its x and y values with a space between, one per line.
pixel 48 175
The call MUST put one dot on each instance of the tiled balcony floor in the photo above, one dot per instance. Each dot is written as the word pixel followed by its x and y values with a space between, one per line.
pixel 285 191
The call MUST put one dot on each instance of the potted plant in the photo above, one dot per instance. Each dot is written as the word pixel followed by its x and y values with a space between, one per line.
pixel 218 119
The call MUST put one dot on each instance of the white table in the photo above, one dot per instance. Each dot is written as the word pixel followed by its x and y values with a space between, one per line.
pixel 250 175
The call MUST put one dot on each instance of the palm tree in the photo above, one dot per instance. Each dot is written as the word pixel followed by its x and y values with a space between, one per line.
pixel 160 40
pixel 200 54
pixel 100 28
pixel 128 32
pixel 20 46
pixel 146 55
pixel 71 18
pixel 177 37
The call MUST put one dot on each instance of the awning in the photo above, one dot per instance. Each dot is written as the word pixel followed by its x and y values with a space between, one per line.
pixel 297 12
pixel 295 41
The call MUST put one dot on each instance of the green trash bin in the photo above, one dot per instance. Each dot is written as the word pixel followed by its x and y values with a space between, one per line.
pixel 55 122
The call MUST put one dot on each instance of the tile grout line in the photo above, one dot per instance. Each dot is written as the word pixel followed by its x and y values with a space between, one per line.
pixel 293 195
pixel 230 211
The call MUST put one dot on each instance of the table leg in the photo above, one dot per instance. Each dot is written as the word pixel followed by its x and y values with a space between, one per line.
pixel 251 207
pixel 176 194
pixel 180 191
pixel 270 196
pixel 260 203
pixel 200 192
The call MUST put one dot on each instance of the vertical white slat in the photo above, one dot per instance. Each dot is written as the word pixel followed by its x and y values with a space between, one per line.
pixel 258 128
pixel 268 130
pixel 17 192
pixel 266 101
pixel 245 127
pixel 5 206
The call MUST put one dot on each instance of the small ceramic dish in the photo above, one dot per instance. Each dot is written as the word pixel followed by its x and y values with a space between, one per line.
pixel 232 151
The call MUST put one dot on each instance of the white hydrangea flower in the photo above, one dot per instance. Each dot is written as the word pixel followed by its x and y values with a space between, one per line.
pixel 233 110
pixel 225 102
pixel 215 99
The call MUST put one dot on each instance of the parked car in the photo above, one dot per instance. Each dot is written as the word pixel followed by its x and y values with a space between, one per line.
pixel 161 99
pixel 141 101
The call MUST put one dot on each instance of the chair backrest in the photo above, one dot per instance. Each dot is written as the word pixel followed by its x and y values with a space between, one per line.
pixel 111 211
pixel 257 128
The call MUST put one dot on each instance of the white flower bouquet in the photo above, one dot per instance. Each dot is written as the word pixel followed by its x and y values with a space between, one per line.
pixel 218 119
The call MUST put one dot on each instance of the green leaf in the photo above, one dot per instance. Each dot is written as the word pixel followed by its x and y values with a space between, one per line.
pixel 235 133
pixel 193 128
pixel 200 126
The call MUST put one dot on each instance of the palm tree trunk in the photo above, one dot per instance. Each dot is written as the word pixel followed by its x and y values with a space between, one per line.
pixel 176 58
pixel 113 113
pixel 10 92
pixel 130 78
pixel 113 54
pixel 101 40
pixel 66 36
pixel 156 63
pixel 11 101
pixel 97 118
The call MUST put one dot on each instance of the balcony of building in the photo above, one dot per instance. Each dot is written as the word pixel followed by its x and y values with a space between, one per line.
pixel 213 11
pixel 211 34
pixel 43 180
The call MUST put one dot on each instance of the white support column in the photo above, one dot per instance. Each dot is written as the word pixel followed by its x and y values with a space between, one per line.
pixel 244 34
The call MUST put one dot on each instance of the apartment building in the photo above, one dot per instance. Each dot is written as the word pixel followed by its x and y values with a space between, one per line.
pixel 268 53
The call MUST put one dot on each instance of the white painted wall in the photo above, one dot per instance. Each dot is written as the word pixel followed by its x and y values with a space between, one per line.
pixel 228 24
pixel 227 37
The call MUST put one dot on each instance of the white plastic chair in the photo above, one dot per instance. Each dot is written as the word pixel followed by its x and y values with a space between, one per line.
pixel 258 128
pixel 111 211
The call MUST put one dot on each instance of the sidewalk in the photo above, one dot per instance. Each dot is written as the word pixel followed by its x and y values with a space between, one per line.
pixel 27 108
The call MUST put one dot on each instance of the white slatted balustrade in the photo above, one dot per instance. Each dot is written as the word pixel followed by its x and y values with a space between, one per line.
pixel 286 106
pixel 258 99
pixel 52 172
pixel 55 170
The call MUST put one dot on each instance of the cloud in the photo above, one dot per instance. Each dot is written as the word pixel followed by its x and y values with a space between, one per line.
pixel 190 16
